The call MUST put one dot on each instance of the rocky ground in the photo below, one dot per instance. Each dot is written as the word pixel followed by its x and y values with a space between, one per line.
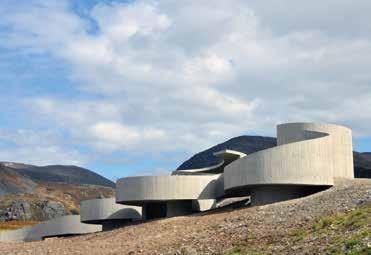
pixel 335 221
pixel 48 201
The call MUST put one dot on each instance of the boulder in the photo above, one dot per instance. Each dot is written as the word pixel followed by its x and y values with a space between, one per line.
pixel 52 209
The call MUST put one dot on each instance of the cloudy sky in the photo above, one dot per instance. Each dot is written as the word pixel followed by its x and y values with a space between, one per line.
pixel 136 87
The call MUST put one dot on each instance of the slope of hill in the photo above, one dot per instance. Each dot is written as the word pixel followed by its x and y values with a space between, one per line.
pixel 36 193
pixel 362 164
pixel 245 144
pixel 58 173
pixel 250 144
pixel 335 221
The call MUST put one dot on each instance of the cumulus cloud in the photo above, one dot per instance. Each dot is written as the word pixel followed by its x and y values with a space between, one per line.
pixel 183 75
pixel 39 148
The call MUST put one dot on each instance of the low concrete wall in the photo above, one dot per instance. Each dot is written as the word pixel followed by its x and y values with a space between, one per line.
pixel 137 190
pixel 18 235
pixel 98 211
pixel 63 226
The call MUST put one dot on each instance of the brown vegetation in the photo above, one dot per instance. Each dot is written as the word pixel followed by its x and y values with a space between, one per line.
pixel 335 221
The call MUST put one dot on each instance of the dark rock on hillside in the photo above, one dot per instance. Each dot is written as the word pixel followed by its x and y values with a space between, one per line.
pixel 23 210
pixel 12 182
pixel 362 164
pixel 250 144
pixel 245 144
pixel 18 178
pixel 20 210
pixel 30 192
pixel 52 209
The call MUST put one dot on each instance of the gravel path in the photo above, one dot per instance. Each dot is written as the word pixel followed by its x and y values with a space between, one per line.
pixel 212 233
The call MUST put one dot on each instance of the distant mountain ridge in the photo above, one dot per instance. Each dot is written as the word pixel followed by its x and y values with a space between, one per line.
pixel 23 178
pixel 251 144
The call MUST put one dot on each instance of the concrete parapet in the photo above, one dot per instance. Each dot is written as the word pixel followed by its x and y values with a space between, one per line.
pixel 307 155
pixel 98 211
pixel 63 226
pixel 137 190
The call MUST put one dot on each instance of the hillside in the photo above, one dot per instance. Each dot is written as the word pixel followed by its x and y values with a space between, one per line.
pixel 245 144
pixel 250 144
pixel 33 193
pixel 29 174
pixel 335 221
pixel 362 164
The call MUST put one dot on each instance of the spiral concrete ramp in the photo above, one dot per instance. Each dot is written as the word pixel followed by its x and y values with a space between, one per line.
pixel 308 158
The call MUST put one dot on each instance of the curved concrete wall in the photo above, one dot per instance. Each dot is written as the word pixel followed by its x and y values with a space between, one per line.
pixel 227 157
pixel 215 168
pixel 102 210
pixel 307 154
pixel 136 190
pixel 340 143
pixel 18 235
pixel 63 226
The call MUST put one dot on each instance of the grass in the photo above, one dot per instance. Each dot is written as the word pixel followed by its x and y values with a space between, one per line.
pixel 300 235
pixel 357 218
pixel 75 211
pixel 11 225
pixel 355 244
pixel 356 226
pixel 235 251
pixel 345 233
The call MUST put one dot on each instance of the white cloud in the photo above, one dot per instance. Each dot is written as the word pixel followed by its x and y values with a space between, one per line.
pixel 187 74
pixel 117 136
pixel 38 148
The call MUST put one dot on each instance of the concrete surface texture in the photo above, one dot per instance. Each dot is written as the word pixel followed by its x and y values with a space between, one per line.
pixel 307 154
pixel 98 211
pixel 137 190
pixel 309 157
pixel 18 235
pixel 226 156
pixel 63 226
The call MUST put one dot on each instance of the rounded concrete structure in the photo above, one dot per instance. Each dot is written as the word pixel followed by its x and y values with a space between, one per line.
pixel 339 143
pixel 140 189
pixel 108 213
pixel 168 196
pixel 307 154
pixel 106 209
pixel 62 226
pixel 227 156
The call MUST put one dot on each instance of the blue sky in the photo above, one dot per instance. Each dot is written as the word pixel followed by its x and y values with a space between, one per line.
pixel 136 87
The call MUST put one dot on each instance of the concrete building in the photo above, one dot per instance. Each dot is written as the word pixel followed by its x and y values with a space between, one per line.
pixel 307 159
pixel 108 213
pixel 166 196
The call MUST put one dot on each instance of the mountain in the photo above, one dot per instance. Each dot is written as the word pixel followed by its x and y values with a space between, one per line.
pixel 250 144
pixel 29 192
pixel 362 164
pixel 245 144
